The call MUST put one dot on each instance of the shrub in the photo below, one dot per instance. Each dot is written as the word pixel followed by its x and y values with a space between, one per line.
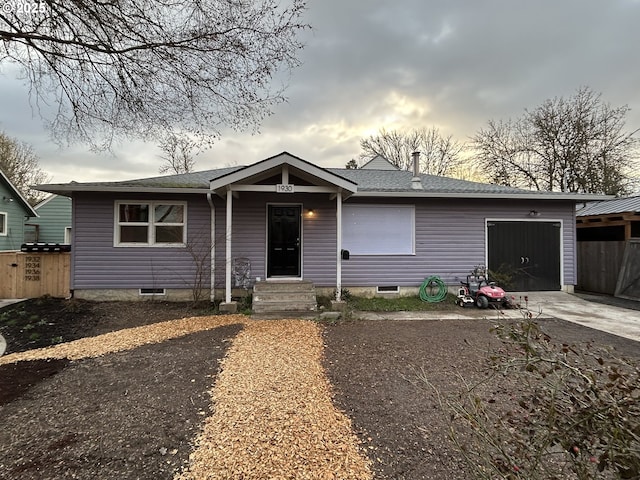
pixel 576 413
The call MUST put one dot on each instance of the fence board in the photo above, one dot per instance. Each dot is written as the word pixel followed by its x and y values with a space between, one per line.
pixel 32 275
pixel 599 264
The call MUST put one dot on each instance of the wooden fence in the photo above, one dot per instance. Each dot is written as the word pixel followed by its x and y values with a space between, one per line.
pixel 32 275
pixel 599 265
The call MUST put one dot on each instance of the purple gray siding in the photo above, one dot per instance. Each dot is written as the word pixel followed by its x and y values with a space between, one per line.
pixel 450 240
pixel 249 234
pixel 97 264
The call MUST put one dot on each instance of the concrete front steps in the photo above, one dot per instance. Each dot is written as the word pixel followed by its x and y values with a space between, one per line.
pixel 284 298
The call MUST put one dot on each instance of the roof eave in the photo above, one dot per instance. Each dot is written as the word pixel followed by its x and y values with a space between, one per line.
pixel 67 189
pixel 489 195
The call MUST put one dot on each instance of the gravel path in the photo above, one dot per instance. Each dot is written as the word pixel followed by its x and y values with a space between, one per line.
pixel 273 413
pixel 125 339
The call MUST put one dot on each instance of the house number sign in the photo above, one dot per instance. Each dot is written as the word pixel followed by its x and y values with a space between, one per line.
pixel 285 188
pixel 32 269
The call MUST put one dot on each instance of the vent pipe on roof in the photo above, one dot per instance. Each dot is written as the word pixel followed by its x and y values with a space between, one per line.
pixel 416 183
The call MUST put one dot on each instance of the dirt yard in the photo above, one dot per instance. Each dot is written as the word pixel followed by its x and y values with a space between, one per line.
pixel 136 413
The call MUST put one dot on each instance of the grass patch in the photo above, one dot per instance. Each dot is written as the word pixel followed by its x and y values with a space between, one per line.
pixel 400 304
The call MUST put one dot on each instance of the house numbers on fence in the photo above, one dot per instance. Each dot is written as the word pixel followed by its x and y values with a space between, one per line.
pixel 285 188
pixel 32 269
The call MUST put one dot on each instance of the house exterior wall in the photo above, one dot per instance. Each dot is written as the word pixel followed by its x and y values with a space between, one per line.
pixel 98 264
pixel 249 234
pixel 450 238
pixel 12 238
pixel 54 217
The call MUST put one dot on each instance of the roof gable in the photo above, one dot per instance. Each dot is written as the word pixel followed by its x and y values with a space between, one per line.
pixel 266 168
pixel 15 195
pixel 379 163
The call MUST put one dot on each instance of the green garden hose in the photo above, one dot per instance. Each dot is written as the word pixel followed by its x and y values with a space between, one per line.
pixel 427 293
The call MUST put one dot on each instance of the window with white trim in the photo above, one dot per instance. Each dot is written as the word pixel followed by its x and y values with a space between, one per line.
pixel 378 229
pixel 150 223
pixel 3 224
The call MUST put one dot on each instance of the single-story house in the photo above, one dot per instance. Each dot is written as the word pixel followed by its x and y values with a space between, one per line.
pixel 53 224
pixel 14 209
pixel 373 229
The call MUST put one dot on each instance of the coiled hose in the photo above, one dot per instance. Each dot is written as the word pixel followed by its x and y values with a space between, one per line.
pixel 427 293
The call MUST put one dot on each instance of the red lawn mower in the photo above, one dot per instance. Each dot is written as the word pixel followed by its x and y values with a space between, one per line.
pixel 479 291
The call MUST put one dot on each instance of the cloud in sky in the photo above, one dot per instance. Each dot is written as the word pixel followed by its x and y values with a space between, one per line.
pixel 372 64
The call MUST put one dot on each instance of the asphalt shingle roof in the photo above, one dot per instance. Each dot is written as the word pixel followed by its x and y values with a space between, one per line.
pixel 400 181
pixel 370 181
pixel 184 180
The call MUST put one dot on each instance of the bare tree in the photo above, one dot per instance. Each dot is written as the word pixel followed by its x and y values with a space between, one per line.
pixel 351 164
pixel 20 164
pixel 577 144
pixel 178 154
pixel 142 68
pixel 439 153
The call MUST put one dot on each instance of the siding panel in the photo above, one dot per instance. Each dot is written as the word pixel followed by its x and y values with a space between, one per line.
pixel 55 215
pixel 249 235
pixel 451 239
pixel 100 265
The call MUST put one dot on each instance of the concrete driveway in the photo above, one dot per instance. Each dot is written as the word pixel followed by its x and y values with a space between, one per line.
pixel 580 309
pixel 585 310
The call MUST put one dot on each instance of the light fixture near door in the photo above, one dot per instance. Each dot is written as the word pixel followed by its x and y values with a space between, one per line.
pixel 534 213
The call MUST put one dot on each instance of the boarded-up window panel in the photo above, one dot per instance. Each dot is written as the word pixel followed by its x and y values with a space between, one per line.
pixel 629 280
pixel 378 229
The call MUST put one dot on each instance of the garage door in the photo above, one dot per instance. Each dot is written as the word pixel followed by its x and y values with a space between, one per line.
pixel 525 254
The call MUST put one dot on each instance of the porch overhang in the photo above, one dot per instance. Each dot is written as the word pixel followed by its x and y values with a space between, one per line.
pixel 285 174
pixel 252 178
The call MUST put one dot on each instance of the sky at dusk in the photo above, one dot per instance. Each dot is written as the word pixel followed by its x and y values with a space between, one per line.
pixel 372 64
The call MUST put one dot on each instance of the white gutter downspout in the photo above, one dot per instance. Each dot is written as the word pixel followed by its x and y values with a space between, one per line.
pixel 339 246
pixel 227 285
pixel 212 249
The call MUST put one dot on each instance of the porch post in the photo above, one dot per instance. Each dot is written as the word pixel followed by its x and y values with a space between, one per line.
pixel 227 298
pixel 212 250
pixel 339 246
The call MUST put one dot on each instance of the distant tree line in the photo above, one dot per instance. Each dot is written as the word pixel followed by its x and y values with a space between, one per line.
pixel 578 144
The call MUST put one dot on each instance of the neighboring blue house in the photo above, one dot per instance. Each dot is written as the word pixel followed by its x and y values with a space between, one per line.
pixel 14 209
pixel 53 224
pixel 292 220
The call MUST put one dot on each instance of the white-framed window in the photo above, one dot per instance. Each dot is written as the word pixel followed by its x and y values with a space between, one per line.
pixel 150 223
pixel 378 229
pixel 3 223
pixel 67 234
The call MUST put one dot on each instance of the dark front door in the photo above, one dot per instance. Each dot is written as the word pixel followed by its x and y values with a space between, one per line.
pixel 283 249
pixel 525 256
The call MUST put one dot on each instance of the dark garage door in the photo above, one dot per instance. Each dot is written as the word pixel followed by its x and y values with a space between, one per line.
pixel 526 253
